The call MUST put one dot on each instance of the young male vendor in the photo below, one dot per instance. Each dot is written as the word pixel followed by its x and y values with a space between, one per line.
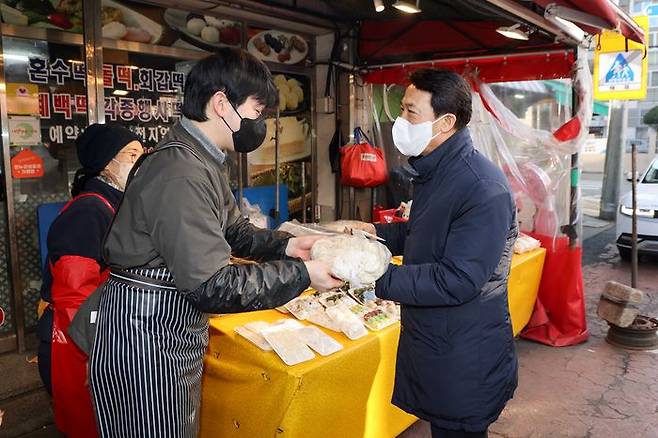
pixel 169 251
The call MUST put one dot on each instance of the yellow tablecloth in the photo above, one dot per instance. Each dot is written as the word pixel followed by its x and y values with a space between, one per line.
pixel 523 286
pixel 249 393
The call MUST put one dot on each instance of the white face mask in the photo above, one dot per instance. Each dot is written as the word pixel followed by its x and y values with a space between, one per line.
pixel 121 174
pixel 411 140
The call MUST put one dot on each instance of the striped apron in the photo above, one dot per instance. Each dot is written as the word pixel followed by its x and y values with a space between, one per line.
pixel 146 363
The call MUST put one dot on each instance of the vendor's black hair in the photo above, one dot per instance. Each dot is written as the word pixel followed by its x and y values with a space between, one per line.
pixel 235 72
pixel 450 93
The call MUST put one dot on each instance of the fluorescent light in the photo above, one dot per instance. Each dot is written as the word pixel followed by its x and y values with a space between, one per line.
pixel 379 5
pixel 513 32
pixel 519 96
pixel 14 57
pixel 120 92
pixel 567 27
pixel 575 15
pixel 407 7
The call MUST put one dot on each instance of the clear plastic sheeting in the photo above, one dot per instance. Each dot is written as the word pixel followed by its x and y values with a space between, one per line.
pixel 570 137
pixel 538 163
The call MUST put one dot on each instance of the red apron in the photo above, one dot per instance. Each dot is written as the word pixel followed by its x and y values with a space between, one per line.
pixel 74 279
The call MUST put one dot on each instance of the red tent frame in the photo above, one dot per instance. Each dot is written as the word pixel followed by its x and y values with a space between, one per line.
pixel 559 316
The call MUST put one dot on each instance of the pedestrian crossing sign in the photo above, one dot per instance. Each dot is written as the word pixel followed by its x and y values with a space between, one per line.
pixel 621 66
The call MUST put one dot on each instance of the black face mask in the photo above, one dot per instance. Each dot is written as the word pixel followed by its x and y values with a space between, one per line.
pixel 250 135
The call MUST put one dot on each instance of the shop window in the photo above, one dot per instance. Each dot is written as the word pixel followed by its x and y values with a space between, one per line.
pixel 633 117
pixel 144 85
pixel 653 59
pixel 653 39
pixel 63 15
pixel 284 49
pixel 47 107
pixel 639 7
pixel 143 92
pixel 653 78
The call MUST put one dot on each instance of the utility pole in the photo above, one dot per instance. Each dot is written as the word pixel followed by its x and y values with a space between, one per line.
pixel 613 160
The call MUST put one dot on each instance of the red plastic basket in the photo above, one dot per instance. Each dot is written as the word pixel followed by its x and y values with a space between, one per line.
pixel 388 216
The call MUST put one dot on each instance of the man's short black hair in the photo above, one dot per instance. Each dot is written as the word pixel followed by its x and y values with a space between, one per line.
pixel 450 93
pixel 235 72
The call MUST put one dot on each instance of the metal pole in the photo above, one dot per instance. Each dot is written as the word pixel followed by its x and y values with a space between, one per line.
pixel 277 174
pixel 93 45
pixel 240 180
pixel 18 311
pixel 303 165
pixel 613 161
pixel 352 206
pixel 634 267
pixel 573 231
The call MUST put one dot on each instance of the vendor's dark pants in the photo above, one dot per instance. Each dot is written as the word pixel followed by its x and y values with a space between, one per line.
pixel 438 432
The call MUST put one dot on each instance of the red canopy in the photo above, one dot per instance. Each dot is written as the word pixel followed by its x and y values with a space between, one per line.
pixel 432 39
pixel 502 68
pixel 607 11
pixel 398 45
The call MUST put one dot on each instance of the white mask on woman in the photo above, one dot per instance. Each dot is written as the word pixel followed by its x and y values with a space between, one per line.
pixel 411 140
pixel 120 173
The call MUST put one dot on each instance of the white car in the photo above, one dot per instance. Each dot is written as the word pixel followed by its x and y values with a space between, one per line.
pixel 647 216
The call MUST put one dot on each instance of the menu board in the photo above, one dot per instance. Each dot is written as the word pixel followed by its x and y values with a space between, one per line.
pixel 294 137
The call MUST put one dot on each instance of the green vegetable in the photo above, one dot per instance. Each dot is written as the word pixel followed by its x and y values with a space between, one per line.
pixel 34 17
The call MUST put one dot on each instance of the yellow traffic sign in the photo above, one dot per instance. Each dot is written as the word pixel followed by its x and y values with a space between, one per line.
pixel 621 66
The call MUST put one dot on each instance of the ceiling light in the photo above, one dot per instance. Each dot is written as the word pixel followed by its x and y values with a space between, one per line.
pixel 120 92
pixel 15 57
pixel 566 26
pixel 513 32
pixel 407 6
pixel 379 5
pixel 519 96
pixel 575 16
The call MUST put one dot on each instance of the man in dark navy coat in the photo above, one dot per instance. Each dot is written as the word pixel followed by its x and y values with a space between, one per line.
pixel 456 365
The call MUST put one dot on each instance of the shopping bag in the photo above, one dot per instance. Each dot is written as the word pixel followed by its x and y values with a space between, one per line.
pixel 361 163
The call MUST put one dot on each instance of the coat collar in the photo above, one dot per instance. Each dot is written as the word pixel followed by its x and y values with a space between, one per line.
pixel 440 158
pixel 108 192
pixel 188 132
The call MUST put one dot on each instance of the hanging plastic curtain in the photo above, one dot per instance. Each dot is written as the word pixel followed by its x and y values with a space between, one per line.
pixel 542 169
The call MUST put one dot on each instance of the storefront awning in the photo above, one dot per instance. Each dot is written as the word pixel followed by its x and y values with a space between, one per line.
pixel 503 68
pixel 604 10
pixel 397 43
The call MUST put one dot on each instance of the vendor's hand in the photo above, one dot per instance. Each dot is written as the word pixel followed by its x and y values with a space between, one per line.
pixel 321 278
pixel 300 247
pixel 346 226
pixel 367 227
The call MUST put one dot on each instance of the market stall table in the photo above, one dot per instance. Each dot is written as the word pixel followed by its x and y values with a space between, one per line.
pixel 251 393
